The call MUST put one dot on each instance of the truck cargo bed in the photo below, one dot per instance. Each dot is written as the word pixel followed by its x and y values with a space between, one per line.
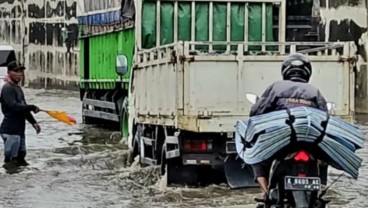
pixel 205 92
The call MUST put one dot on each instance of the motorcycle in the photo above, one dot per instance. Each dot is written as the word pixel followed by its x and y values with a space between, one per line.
pixel 296 176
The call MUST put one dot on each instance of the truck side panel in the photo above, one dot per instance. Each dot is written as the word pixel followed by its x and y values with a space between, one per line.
pixel 155 87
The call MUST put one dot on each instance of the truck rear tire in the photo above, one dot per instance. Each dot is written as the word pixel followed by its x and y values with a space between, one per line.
pixel 177 173
pixel 89 120
pixel 180 174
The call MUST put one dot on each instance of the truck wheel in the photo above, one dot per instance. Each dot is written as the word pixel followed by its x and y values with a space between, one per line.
pixel 163 160
pixel 136 139
pixel 123 112
pixel 89 120
pixel 177 173
pixel 135 148
pixel 124 125
pixel 207 175
pixel 180 174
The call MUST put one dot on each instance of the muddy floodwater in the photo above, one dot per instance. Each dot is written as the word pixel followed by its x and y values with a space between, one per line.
pixel 83 166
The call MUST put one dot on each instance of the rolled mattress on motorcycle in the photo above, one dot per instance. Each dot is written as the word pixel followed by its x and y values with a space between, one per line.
pixel 265 135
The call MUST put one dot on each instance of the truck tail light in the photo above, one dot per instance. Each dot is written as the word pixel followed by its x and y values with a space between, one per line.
pixel 197 145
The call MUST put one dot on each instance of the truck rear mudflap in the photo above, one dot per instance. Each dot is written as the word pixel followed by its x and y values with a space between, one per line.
pixel 238 174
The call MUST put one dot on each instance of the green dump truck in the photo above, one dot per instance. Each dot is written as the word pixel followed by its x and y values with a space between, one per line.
pixel 173 75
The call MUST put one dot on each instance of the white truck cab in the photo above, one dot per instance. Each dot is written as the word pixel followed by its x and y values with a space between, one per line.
pixel 7 54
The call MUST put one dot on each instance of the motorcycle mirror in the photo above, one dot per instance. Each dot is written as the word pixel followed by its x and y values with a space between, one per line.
pixel 252 97
pixel 330 105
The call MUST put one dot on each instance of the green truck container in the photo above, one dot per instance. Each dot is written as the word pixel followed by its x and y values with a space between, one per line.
pixel 149 22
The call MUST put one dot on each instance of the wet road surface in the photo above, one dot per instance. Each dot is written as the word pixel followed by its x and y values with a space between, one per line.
pixel 82 166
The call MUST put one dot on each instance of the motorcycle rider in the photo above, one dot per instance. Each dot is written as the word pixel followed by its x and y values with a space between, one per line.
pixel 294 90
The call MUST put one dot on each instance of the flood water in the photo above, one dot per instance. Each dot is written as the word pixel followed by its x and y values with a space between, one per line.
pixel 83 166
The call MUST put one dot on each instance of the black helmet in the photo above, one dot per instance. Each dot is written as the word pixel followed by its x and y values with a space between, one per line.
pixel 296 67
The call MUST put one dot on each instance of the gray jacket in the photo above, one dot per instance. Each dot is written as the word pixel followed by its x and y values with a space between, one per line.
pixel 283 94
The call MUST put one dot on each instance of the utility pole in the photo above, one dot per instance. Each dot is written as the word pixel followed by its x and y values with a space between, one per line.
pixel 366 41
pixel 23 41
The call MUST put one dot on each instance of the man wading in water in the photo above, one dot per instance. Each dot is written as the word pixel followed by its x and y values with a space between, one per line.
pixel 16 112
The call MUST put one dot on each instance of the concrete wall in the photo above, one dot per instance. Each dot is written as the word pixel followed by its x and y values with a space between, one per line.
pixel 33 27
pixel 346 20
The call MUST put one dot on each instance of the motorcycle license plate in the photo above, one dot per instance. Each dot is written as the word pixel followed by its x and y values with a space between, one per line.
pixel 302 183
